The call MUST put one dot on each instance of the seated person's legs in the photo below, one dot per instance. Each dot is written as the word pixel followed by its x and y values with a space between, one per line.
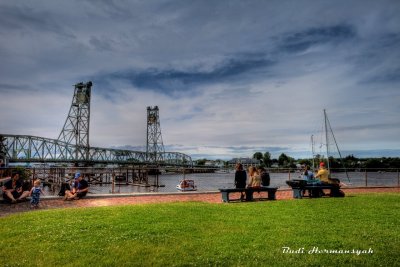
pixel 23 195
pixel 69 194
pixel 10 197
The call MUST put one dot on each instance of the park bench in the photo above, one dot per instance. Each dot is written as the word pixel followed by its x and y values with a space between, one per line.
pixel 249 193
pixel 299 188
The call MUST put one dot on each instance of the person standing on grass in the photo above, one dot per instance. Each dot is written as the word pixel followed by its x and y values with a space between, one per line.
pixel 240 178
pixel 35 194
pixel 80 190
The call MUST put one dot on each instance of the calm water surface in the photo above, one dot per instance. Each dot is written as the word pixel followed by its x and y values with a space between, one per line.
pixel 212 181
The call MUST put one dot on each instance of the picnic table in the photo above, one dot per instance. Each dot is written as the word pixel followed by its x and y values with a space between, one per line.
pixel 313 189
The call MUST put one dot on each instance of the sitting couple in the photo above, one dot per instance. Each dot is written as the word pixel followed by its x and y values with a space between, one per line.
pixel 80 187
pixel 13 190
pixel 322 176
pixel 258 177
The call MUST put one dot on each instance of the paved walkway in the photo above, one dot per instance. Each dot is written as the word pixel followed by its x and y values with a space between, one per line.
pixel 134 199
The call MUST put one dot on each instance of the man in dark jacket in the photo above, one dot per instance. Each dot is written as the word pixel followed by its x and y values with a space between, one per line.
pixel 240 178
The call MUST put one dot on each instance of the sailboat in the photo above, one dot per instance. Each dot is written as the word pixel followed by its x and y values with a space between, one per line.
pixel 316 187
pixel 327 133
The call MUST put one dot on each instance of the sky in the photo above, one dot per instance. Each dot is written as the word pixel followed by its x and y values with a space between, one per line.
pixel 230 78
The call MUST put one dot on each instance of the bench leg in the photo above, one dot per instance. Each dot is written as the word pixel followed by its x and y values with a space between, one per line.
pixel 271 194
pixel 225 196
pixel 297 193
pixel 249 195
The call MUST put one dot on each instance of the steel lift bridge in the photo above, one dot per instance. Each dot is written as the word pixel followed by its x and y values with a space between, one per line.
pixel 72 145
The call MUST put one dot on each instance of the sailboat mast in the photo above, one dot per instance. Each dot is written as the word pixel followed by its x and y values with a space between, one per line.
pixel 337 147
pixel 326 138
pixel 313 151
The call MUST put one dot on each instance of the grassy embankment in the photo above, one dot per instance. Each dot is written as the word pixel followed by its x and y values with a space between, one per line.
pixel 242 234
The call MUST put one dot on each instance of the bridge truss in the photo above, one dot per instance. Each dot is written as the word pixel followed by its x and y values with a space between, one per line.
pixel 23 148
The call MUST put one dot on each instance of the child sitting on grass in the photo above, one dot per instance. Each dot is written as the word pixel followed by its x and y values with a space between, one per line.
pixel 35 194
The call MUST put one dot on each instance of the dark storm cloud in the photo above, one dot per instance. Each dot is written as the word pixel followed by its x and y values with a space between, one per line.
pixel 376 61
pixel 21 18
pixel 300 41
pixel 171 80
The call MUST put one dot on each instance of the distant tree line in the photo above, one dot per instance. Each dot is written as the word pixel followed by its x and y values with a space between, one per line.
pixel 348 162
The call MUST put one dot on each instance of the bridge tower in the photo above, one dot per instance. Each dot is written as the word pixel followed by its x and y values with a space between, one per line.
pixel 76 127
pixel 155 147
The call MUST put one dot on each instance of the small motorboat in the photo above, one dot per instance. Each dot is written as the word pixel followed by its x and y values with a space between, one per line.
pixel 186 185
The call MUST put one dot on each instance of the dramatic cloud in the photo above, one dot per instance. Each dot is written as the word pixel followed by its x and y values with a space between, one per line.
pixel 230 77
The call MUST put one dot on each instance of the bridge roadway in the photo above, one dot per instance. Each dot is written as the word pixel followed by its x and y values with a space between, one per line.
pixel 25 148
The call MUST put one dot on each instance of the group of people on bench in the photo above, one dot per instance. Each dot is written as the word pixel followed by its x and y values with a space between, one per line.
pixel 257 177
pixel 322 178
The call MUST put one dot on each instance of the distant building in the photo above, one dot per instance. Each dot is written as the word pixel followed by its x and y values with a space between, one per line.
pixel 214 163
pixel 275 165
pixel 246 162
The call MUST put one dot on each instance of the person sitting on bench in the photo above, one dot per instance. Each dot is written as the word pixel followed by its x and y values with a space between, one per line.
pixel 308 175
pixel 323 173
pixel 264 175
pixel 323 176
pixel 254 178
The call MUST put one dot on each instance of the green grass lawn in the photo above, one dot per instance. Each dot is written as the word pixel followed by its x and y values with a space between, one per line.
pixel 201 234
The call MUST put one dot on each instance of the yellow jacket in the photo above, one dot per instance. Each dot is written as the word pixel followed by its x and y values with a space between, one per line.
pixel 323 175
